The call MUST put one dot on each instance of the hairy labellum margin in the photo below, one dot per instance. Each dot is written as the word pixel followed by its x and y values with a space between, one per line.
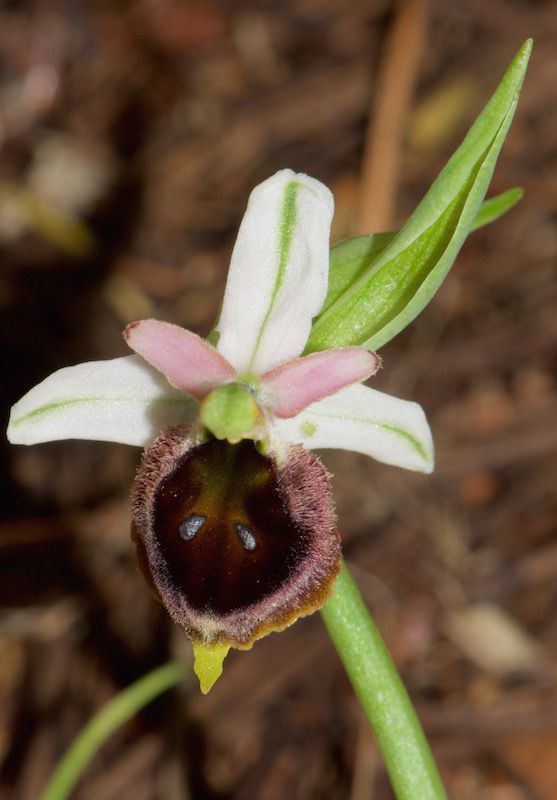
pixel 235 543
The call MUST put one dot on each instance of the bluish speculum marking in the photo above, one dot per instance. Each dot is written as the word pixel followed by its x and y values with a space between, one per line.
pixel 248 545
pixel 191 525
pixel 246 536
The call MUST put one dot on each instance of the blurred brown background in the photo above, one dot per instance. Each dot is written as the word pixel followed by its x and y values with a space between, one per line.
pixel 131 134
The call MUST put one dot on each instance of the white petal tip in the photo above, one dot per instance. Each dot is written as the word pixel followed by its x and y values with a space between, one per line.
pixel 428 466
pixel 12 434
pixel 122 400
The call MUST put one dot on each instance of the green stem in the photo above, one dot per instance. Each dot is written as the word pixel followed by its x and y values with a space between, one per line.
pixel 111 716
pixel 382 695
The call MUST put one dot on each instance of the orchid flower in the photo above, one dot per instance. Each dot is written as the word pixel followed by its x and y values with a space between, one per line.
pixel 232 514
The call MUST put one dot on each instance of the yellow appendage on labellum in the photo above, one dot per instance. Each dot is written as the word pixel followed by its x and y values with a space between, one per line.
pixel 207 664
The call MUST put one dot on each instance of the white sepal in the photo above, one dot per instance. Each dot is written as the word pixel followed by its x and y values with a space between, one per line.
pixel 121 400
pixel 358 418
pixel 278 274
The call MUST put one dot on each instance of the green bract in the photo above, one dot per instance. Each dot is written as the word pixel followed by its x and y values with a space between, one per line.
pixel 392 277
pixel 495 207
pixel 352 258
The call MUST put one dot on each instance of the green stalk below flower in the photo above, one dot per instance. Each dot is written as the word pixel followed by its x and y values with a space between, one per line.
pixel 384 699
pixel 115 713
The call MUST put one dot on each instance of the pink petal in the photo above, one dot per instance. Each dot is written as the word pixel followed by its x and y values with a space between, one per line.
pixel 295 385
pixel 187 361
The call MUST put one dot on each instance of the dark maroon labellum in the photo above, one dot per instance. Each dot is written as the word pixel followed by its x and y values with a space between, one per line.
pixel 234 545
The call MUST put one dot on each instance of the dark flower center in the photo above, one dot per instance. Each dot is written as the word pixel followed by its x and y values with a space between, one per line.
pixel 223 527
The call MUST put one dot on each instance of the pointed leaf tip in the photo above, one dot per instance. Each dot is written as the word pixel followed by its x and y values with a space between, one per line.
pixel 207 665
pixel 526 48
pixel 495 207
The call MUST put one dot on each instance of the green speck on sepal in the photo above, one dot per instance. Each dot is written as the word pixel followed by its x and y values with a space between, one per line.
pixel 213 337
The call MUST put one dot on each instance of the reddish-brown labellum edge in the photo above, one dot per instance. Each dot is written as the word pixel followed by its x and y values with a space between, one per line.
pixel 235 544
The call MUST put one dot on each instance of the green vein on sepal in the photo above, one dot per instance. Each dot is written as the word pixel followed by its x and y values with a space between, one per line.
pixel 287 225
pixel 62 405
pixel 412 440
pixel 37 415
